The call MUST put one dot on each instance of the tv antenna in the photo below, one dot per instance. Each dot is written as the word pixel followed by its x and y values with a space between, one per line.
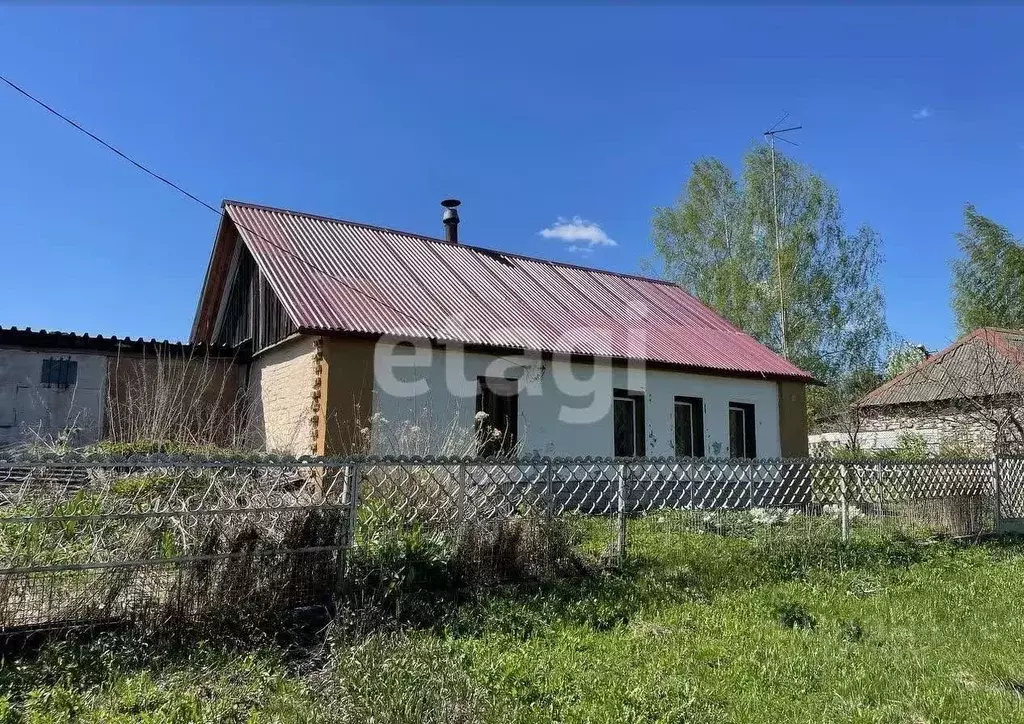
pixel 771 134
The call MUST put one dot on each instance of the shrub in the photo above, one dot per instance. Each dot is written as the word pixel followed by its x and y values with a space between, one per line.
pixel 400 569
pixel 795 615
pixel 517 548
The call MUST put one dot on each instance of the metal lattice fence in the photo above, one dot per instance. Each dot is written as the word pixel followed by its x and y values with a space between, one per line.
pixel 87 541
pixel 163 539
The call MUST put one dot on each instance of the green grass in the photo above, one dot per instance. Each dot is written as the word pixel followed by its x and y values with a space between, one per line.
pixel 771 625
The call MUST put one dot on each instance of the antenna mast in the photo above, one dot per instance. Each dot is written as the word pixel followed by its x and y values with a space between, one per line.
pixel 771 134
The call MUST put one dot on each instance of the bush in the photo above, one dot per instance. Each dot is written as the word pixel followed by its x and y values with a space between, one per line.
pixel 517 548
pixel 403 570
pixel 795 615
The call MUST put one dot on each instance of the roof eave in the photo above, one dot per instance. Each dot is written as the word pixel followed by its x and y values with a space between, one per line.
pixel 204 290
pixel 547 354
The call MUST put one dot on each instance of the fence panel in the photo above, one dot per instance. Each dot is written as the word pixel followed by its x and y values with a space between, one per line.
pixel 84 542
pixel 1009 473
pixel 161 539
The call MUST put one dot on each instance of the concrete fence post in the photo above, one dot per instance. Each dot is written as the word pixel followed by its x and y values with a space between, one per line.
pixel 751 474
pixel 549 493
pixel 623 502
pixel 844 503
pixel 352 484
pixel 351 502
pixel 460 499
pixel 997 493
pixel 880 492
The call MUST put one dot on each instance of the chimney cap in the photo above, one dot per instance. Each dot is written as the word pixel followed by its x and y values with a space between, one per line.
pixel 450 203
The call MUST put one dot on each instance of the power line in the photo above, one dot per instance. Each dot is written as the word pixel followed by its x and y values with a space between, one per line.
pixel 193 197
pixel 106 145
pixel 220 213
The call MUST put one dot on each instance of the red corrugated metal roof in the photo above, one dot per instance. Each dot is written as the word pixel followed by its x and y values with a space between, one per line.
pixel 340 276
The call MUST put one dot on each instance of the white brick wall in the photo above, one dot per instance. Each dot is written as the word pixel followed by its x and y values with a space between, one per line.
pixel 281 389
pixel 883 428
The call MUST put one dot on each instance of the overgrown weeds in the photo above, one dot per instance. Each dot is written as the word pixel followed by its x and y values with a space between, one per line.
pixel 695 627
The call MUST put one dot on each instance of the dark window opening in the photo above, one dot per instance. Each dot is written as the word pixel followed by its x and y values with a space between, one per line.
pixel 689 427
pixel 628 423
pixel 59 372
pixel 742 440
pixel 497 416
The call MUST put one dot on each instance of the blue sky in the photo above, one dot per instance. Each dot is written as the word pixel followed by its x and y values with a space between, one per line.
pixel 528 115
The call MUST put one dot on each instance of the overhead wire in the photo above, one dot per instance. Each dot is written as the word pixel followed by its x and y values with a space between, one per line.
pixel 220 212
pixel 188 194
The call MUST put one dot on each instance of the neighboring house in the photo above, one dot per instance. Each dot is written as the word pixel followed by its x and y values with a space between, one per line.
pixel 354 329
pixel 80 388
pixel 969 396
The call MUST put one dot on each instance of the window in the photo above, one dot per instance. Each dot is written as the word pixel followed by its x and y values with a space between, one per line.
pixel 628 423
pixel 59 372
pixel 497 416
pixel 742 442
pixel 689 427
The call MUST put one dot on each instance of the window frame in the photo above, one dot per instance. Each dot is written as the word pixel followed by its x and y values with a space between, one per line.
pixel 696 414
pixel 639 416
pixel 748 411
pixel 489 389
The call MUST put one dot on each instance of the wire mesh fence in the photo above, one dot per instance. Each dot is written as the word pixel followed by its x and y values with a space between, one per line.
pixel 85 541
pixel 165 539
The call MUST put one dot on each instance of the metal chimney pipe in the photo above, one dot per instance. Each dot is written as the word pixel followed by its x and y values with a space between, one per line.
pixel 450 219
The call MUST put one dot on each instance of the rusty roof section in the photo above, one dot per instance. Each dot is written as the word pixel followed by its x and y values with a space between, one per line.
pixel 338 276
pixel 29 338
pixel 986 362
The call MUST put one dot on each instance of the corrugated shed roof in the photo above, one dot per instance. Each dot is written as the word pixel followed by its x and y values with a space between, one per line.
pixel 57 340
pixel 339 276
pixel 988 361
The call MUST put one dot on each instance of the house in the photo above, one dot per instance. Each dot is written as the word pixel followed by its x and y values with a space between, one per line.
pixel 77 388
pixel 364 338
pixel 968 398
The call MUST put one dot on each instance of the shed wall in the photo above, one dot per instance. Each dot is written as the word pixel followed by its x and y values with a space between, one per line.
pixel 31 410
pixel 283 397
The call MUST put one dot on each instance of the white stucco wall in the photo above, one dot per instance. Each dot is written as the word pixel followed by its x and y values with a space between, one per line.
pixel 30 409
pixel 548 411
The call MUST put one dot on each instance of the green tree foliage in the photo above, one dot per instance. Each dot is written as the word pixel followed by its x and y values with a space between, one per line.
pixel 988 279
pixel 718 241
pixel 903 358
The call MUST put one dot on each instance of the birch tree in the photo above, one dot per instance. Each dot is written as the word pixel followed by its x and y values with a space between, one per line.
pixel 718 241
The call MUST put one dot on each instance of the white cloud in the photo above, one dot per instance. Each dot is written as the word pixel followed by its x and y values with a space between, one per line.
pixel 581 234
pixel 581 250
pixel 923 112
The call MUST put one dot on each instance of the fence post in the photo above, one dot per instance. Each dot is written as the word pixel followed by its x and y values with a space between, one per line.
pixel 351 501
pixel 997 492
pixel 549 493
pixel 623 502
pixel 461 499
pixel 880 491
pixel 352 487
pixel 844 503
pixel 750 487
